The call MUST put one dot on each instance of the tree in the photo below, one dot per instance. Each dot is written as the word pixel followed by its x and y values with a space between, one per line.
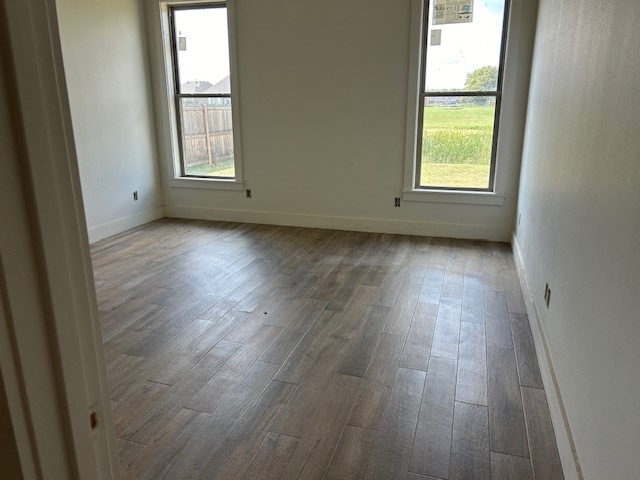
pixel 482 79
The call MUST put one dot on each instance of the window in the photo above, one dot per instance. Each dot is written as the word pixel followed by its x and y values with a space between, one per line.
pixel 458 98
pixel 202 85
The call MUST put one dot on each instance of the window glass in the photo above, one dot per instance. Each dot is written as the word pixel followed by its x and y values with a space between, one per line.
pixel 203 91
pixel 207 137
pixel 460 94
pixel 202 45
pixel 457 140
pixel 463 48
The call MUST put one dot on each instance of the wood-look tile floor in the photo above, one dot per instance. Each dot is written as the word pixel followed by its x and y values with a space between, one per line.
pixel 264 352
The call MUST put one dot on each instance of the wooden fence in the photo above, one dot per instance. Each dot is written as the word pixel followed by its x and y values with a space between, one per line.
pixel 207 134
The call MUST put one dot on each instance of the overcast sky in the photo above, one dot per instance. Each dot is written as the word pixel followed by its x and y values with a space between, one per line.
pixel 207 53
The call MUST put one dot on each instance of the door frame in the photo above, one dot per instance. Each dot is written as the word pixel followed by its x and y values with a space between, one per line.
pixel 52 364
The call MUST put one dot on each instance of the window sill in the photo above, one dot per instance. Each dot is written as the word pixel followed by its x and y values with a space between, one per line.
pixel 205 183
pixel 454 196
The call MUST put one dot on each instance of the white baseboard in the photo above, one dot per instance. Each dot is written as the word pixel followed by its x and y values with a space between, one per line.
pixel 122 224
pixel 564 436
pixel 471 232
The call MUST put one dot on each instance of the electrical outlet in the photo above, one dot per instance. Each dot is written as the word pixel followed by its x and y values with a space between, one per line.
pixel 248 193
pixel 135 196
pixel 396 202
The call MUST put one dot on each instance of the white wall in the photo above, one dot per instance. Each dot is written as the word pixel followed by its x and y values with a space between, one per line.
pixel 107 77
pixel 580 224
pixel 323 94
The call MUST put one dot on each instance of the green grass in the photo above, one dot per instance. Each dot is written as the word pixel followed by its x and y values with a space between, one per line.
pixel 456 146
pixel 455 175
pixel 223 168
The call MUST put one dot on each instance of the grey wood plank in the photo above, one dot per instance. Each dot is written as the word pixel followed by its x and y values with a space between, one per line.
pixel 470 443
pixel 356 312
pixel 232 458
pixel 252 301
pixel 473 297
pixel 299 324
pixel 528 369
pixel 353 454
pixel 357 359
pixel 506 417
pixel 179 365
pixel 282 315
pixel 306 352
pixel 337 278
pixel 128 451
pixel 156 340
pixel 127 380
pixel 137 405
pixel 418 260
pixel 220 308
pixel 376 275
pixel 513 291
pixel 542 441
pixel 307 396
pixel 471 385
pixel 401 313
pixel 497 320
pixel 417 347
pixel 355 278
pixel 508 467
pixel 269 306
pixel 145 427
pixel 432 444
pixel 272 457
pixel 323 430
pixel 371 401
pixel 447 332
pixel 393 454
pixel 491 270
pixel 224 380
pixel 159 454
pixel 432 284
pixel 390 287
pixel 209 437
pixel 120 343
pixel 452 285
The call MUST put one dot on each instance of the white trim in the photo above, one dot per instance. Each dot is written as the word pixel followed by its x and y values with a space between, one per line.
pixel 561 426
pixel 205 183
pixel 454 196
pixel 235 91
pixel 58 338
pixel 413 89
pixel 125 223
pixel 471 232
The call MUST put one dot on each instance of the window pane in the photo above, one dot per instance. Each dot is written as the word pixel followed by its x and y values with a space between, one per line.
pixel 457 139
pixel 202 45
pixel 207 136
pixel 463 45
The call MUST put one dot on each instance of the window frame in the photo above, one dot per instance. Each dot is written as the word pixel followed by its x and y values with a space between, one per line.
pixel 415 117
pixel 171 98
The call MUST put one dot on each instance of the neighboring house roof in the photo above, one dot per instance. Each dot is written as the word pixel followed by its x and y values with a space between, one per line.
pixel 195 87
pixel 223 86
